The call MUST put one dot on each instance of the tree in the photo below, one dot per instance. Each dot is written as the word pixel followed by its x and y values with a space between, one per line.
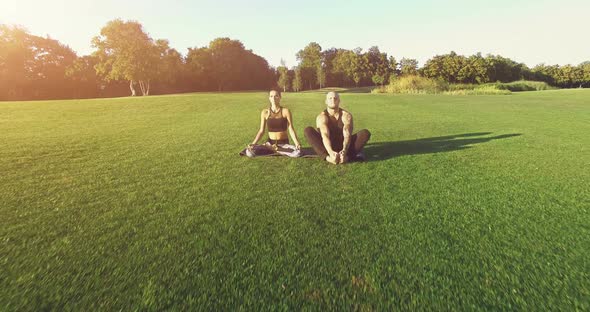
pixel 283 76
pixel 352 65
pixel 321 75
pixel 297 80
pixel 198 66
pixel 332 78
pixel 226 65
pixel 408 66
pixel 503 69
pixel 585 69
pixel 545 73
pixel 569 76
pixel 310 64
pixel 126 52
pixel 33 67
pixel 170 69
pixel 393 67
pixel 377 65
pixel 225 56
pixel 83 75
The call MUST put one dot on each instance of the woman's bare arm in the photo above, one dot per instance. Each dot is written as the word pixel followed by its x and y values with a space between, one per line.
pixel 262 126
pixel 291 128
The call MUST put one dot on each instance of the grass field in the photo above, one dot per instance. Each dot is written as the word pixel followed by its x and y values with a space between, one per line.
pixel 465 202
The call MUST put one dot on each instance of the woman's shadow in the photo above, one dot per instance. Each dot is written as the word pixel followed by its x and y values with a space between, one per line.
pixel 386 150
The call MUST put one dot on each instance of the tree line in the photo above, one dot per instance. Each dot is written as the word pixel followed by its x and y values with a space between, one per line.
pixel 127 61
pixel 355 68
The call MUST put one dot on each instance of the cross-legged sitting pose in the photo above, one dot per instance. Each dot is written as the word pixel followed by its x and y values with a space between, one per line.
pixel 333 140
pixel 278 120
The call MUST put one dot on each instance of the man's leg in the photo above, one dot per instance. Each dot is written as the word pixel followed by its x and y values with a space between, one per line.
pixel 357 142
pixel 315 140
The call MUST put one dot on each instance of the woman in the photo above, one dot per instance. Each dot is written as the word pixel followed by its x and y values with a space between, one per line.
pixel 278 120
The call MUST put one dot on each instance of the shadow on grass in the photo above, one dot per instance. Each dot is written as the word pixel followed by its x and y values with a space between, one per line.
pixel 386 150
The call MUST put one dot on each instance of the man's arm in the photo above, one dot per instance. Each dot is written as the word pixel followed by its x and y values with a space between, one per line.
pixel 322 124
pixel 346 131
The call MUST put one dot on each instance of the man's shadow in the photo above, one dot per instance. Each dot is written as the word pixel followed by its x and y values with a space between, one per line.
pixel 386 150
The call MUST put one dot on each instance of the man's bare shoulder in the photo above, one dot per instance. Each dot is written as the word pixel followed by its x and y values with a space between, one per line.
pixel 321 119
pixel 322 116
pixel 346 115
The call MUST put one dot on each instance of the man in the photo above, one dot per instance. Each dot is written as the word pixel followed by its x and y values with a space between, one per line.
pixel 332 140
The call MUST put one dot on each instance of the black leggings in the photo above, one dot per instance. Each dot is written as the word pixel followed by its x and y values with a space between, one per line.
pixel 357 142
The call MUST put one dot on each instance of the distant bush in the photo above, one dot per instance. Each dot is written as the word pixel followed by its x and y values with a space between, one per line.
pixel 414 85
pixel 523 85
pixel 479 90
pixel 422 85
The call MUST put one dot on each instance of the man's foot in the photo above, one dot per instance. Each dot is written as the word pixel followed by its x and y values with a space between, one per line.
pixel 343 159
pixel 360 156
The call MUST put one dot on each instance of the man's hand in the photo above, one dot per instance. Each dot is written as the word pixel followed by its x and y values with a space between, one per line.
pixel 333 158
pixel 343 157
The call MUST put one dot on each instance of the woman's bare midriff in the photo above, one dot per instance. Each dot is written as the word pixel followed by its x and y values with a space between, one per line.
pixel 278 135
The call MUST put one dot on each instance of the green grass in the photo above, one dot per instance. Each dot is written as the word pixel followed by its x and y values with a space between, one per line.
pixel 142 203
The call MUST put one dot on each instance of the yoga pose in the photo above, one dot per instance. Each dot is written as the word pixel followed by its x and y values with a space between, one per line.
pixel 279 120
pixel 333 140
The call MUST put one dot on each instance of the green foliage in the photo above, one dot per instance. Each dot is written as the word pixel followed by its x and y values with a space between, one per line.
pixel 283 77
pixel 523 85
pixel 226 65
pixel 310 64
pixel 377 65
pixel 415 85
pixel 126 52
pixel 478 90
pixel 297 80
pixel 422 85
pixel 33 67
pixel 408 67
pixel 456 68
pixel 126 56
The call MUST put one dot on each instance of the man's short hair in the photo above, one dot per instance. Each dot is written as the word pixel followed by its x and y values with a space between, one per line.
pixel 277 90
pixel 335 93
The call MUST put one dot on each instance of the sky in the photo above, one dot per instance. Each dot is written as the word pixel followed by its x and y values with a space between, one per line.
pixel 528 31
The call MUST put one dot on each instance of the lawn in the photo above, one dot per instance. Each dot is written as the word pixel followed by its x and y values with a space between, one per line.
pixel 465 202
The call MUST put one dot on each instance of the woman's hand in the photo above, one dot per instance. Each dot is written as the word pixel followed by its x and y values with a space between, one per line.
pixel 297 146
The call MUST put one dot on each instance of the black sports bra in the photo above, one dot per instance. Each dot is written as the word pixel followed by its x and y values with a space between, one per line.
pixel 276 124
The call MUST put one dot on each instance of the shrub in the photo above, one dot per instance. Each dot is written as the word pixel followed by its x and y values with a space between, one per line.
pixel 479 90
pixel 415 85
pixel 524 85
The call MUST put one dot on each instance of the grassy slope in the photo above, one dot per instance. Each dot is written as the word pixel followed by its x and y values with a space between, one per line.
pixel 466 202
